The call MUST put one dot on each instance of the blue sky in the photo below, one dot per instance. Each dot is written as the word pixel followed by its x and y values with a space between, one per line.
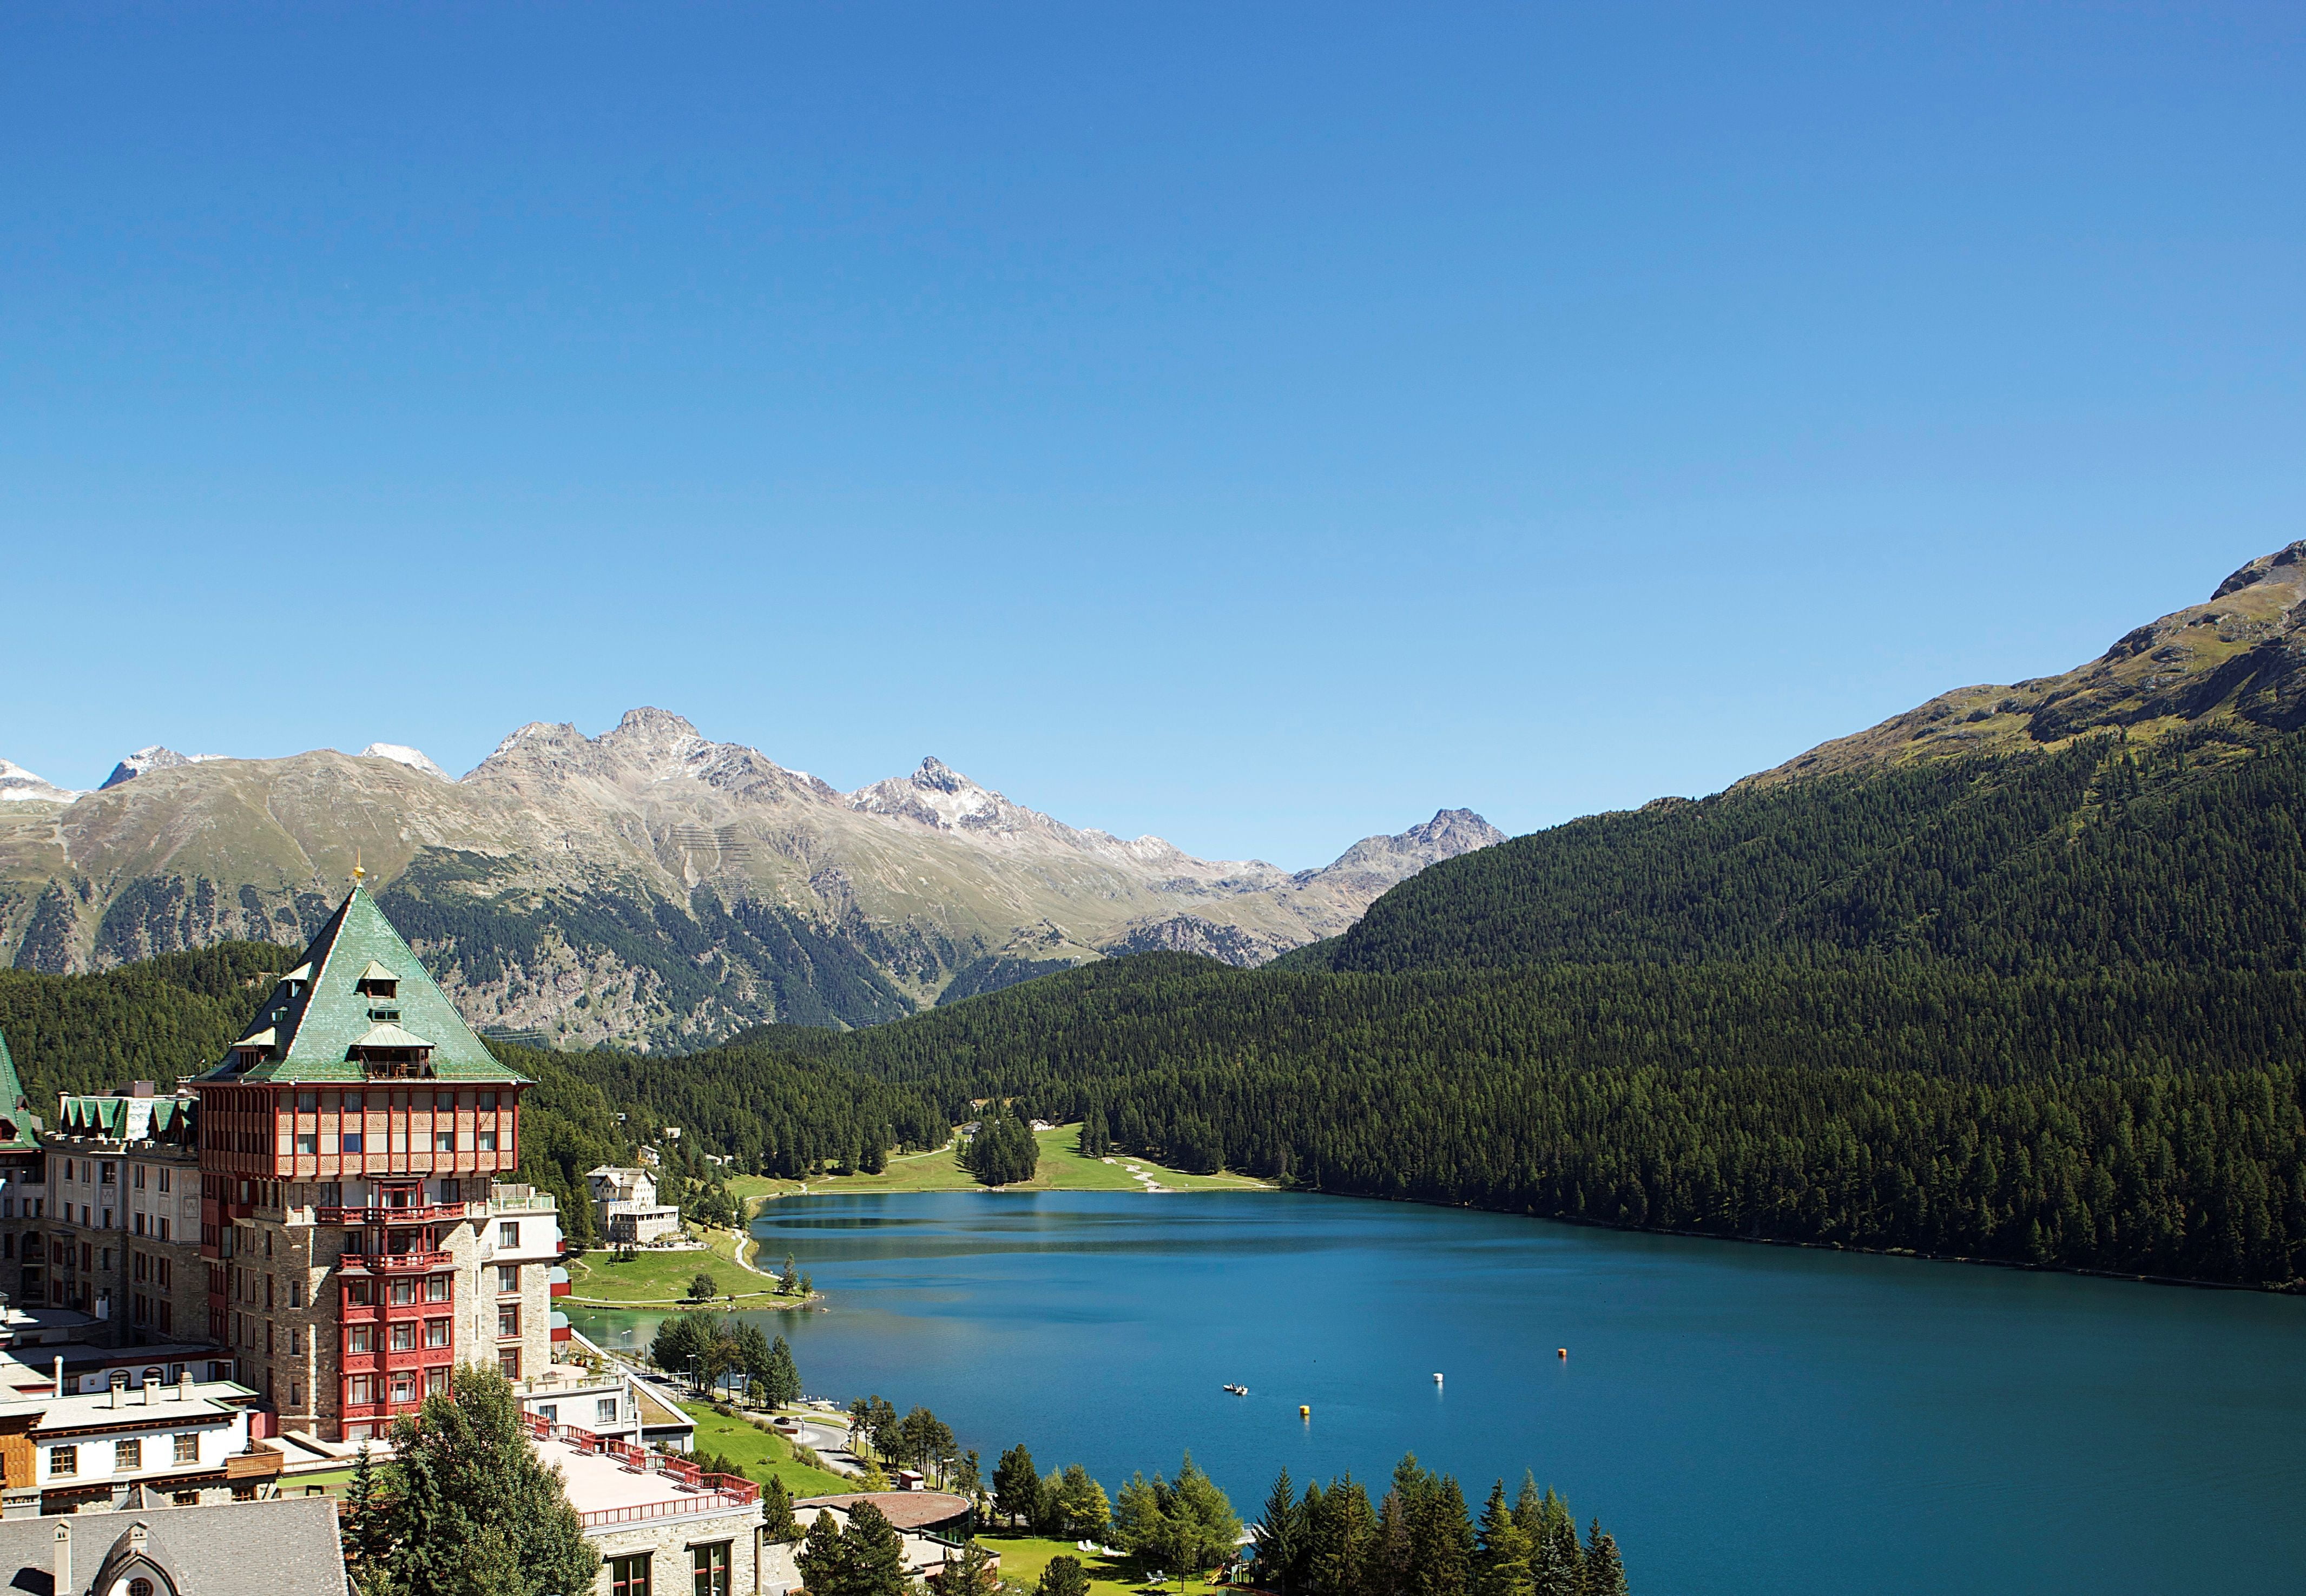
pixel 1259 425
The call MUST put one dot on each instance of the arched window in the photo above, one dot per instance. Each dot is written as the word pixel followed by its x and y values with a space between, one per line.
pixel 140 1587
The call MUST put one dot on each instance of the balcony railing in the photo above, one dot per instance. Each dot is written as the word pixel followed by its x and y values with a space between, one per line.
pixel 437 1213
pixel 697 1492
pixel 394 1263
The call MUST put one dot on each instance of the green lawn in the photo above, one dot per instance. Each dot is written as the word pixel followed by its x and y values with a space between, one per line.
pixel 1023 1557
pixel 761 1453
pixel 662 1278
pixel 1062 1169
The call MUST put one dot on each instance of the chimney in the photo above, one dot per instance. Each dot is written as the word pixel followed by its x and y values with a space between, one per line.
pixel 64 1557
pixel 60 1374
pixel 142 1089
pixel 184 1383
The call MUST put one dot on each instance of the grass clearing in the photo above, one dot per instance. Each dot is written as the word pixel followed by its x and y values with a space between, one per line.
pixel 1062 1168
pixel 1023 1557
pixel 661 1279
pixel 761 1453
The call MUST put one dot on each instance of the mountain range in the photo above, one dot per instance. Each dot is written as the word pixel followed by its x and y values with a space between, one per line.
pixel 649 885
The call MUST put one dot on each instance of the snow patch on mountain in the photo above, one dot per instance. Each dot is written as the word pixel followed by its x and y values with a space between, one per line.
pixel 402 754
pixel 18 785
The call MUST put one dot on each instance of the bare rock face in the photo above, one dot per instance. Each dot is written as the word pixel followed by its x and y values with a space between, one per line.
pixel 154 758
pixel 649 886
pixel 2237 661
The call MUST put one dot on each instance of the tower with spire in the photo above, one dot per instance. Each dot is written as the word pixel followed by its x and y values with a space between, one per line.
pixel 358 1244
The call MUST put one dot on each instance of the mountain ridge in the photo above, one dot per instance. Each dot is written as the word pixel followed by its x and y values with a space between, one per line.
pixel 650 884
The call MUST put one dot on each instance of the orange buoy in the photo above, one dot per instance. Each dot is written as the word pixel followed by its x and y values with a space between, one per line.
pixel 1561 1351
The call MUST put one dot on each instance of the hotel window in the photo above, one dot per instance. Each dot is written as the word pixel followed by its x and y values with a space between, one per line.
pixel 404 1336
pixel 139 1225
pixel 164 1177
pixel 710 1564
pixel 332 1194
pixel 126 1455
pixel 358 1294
pixel 295 1292
pixel 436 1331
pixel 436 1288
pixel 507 1234
pixel 508 1320
pixel 488 1139
pixel 138 1177
pixel 63 1461
pixel 436 1382
pixel 108 1175
pixel 187 1498
pixel 360 1338
pixel 404 1387
pixel 629 1576
pixel 605 1411
pixel 351 1142
pixel 508 1278
pixel 296 1341
pixel 487 1102
pixel 308 1102
pixel 163 1228
pixel 360 1391
pixel 188 1446
pixel 508 1363
pixel 308 1142
pixel 444 1141
pixel 404 1292
pixel 167 1317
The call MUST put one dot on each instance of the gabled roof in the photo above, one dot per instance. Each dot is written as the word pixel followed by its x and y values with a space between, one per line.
pixel 15 1109
pixel 115 1118
pixel 317 1021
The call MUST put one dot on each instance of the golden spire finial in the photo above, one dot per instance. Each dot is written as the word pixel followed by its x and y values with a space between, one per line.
pixel 358 874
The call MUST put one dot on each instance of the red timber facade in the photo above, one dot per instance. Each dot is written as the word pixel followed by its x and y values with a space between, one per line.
pixel 356 1244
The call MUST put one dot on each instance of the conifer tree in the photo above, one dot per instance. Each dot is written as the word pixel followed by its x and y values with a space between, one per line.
pixel 1502 1563
pixel 777 1515
pixel 1604 1575
pixel 1279 1533
pixel 876 1554
pixel 781 1383
pixel 1557 1566
pixel 824 1559
pixel 367 1528
pixel 1016 1486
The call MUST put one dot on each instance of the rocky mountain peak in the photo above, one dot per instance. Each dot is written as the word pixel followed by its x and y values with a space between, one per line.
pixel 154 758
pixel 1399 857
pixel 2286 565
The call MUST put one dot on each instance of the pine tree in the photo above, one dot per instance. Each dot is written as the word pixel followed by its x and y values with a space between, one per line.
pixel 1605 1575
pixel 1279 1535
pixel 1016 1486
pixel 826 1566
pixel 1557 1566
pixel 1502 1563
pixel 781 1383
pixel 777 1513
pixel 367 1529
pixel 875 1553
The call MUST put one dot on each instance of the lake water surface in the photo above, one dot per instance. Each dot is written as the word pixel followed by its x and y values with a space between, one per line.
pixel 1744 1419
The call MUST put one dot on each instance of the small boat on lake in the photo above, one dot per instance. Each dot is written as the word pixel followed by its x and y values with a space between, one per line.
pixel 1238 1390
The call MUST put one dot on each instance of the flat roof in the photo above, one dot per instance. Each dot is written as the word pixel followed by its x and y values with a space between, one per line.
pixel 600 1482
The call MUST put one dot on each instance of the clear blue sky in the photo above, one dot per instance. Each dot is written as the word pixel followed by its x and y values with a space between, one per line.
pixel 1259 425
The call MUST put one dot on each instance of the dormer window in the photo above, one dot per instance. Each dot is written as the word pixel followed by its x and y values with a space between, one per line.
pixel 388 1052
pixel 386 1015
pixel 376 981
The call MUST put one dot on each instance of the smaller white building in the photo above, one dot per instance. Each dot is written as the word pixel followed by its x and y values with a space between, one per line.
pixel 625 1205
pixel 186 1443
pixel 660 1524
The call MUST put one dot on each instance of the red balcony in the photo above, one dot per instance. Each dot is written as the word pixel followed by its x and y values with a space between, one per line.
pixel 394 1263
pixel 438 1213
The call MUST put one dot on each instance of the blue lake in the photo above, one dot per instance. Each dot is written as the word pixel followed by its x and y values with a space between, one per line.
pixel 1744 1419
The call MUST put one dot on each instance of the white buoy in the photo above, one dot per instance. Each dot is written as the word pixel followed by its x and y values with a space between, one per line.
pixel 1437 1379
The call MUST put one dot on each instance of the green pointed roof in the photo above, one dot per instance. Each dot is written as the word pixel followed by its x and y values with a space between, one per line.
pixel 315 1021
pixel 15 1111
